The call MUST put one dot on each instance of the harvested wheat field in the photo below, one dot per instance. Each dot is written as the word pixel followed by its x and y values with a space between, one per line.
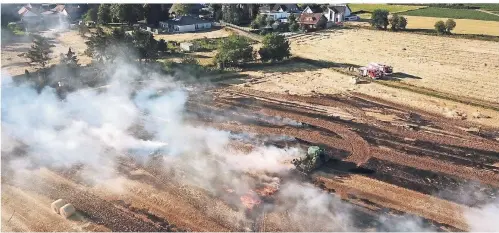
pixel 463 26
pixel 463 67
pixel 304 79
pixel 215 33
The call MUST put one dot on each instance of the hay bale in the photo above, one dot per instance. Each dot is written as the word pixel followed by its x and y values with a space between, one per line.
pixel 67 210
pixel 56 205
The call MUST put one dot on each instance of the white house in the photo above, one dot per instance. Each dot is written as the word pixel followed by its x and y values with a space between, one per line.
pixel 185 24
pixel 280 11
pixel 334 13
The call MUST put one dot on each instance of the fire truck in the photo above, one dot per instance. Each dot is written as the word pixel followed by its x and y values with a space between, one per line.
pixel 375 70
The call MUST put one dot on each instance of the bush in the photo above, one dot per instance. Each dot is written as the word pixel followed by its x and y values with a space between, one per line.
pixel 379 18
pixel 440 27
pixel 270 21
pixel 254 25
pixel 402 23
pixel 234 50
pixel 189 60
pixel 275 48
pixel 294 27
pixel 162 46
pixel 398 22
pixel 450 24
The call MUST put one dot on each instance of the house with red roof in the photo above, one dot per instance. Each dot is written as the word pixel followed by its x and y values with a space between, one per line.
pixel 312 21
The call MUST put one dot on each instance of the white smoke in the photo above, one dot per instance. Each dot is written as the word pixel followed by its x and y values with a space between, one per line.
pixel 92 128
pixel 484 218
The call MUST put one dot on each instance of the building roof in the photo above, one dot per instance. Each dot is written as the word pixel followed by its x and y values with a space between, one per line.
pixel 315 8
pixel 338 9
pixel 310 18
pixel 27 8
pixel 264 8
pixel 59 8
pixel 186 20
pixel 286 7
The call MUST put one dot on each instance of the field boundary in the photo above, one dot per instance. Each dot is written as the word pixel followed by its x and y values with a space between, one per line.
pixel 430 32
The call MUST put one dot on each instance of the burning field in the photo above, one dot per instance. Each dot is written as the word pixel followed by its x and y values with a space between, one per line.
pixel 155 154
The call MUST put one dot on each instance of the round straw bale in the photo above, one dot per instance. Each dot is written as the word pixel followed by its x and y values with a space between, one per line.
pixel 67 210
pixel 56 205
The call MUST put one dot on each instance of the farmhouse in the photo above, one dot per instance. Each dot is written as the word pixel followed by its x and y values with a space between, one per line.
pixel 334 13
pixel 312 21
pixel 28 14
pixel 280 11
pixel 185 24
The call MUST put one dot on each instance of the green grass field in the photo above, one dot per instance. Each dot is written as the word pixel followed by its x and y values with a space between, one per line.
pixel 390 8
pixel 452 13
pixel 487 7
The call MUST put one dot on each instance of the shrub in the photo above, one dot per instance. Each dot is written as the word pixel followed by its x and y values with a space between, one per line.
pixel 402 23
pixel 270 21
pixel 254 25
pixel 440 27
pixel 294 27
pixel 189 60
pixel 275 48
pixel 397 22
pixel 234 50
pixel 379 18
pixel 450 24
pixel 162 46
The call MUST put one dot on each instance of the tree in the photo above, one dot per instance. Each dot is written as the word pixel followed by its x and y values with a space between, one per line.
pixel 91 15
pixel 231 13
pixel 440 27
pixel 39 53
pixel 104 14
pixel 152 13
pixel 260 20
pixel 394 22
pixel 127 13
pixel 217 11
pixel 450 24
pixel 234 50
pixel 402 23
pixel 270 21
pixel 254 25
pixel 181 9
pixel 379 18
pixel 293 24
pixel 275 48
pixel 69 59
pixel 96 45
pixel 398 22
pixel 145 44
pixel 294 27
pixel 162 45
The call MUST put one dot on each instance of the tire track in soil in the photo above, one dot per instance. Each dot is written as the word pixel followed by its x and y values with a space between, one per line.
pixel 469 145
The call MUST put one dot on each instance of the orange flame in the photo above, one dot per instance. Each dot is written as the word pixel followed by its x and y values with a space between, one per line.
pixel 250 201
pixel 266 191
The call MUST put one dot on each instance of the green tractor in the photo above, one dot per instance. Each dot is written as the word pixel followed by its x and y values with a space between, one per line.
pixel 315 158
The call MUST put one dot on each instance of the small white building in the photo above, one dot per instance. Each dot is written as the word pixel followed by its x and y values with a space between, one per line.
pixel 188 46
pixel 185 24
